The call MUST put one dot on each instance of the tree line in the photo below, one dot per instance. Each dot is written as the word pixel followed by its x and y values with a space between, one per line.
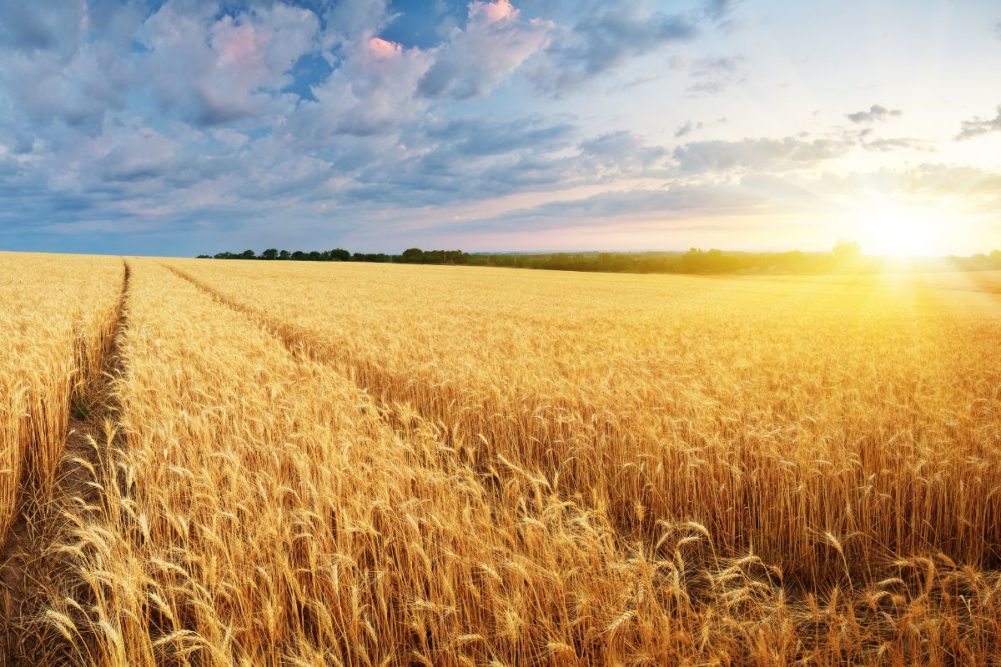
pixel 846 256
pixel 409 256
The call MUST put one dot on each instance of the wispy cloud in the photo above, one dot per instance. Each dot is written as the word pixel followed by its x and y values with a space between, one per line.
pixel 687 128
pixel 762 154
pixel 607 35
pixel 897 143
pixel 874 114
pixel 979 126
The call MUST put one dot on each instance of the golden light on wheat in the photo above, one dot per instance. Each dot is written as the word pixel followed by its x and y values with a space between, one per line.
pixel 378 465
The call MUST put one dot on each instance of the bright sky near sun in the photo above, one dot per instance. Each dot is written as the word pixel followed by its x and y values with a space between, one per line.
pixel 189 126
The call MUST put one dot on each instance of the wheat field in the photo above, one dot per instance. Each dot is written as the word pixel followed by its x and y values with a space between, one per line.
pixel 57 317
pixel 284 463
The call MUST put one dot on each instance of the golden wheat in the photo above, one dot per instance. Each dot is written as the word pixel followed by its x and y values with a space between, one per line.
pixel 773 412
pixel 56 313
pixel 376 465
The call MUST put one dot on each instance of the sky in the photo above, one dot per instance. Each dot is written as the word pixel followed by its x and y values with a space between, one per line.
pixel 190 126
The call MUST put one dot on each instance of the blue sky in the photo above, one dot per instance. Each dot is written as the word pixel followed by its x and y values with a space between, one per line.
pixel 182 127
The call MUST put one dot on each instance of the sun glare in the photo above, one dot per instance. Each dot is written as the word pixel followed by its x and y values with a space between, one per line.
pixel 897 230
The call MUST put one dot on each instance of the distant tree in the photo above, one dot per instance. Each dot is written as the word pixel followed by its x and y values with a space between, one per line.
pixel 204 257
pixel 414 255
pixel 847 251
pixel 284 254
pixel 371 257
pixel 248 254
pixel 270 253
pixel 339 255
pixel 299 255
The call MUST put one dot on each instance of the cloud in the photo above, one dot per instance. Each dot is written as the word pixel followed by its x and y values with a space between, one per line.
pixel 31 28
pixel 896 143
pixel 478 58
pixel 133 154
pixel 979 126
pixel 758 154
pixel 605 37
pixel 718 10
pixel 372 92
pixel 979 187
pixel 53 71
pixel 214 71
pixel 714 75
pixel 875 113
pixel 690 126
pixel 217 124
pixel 190 116
pixel 623 153
pixel 349 19
pixel 472 137
pixel 687 128
pixel 673 204
pixel 472 159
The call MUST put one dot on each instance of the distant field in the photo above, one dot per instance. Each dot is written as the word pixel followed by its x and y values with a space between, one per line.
pixel 353 464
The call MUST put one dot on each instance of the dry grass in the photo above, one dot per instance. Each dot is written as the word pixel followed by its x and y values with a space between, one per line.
pixel 361 465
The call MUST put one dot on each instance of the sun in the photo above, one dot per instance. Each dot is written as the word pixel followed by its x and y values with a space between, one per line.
pixel 893 229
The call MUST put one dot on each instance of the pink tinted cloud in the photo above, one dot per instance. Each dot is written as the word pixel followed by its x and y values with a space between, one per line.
pixel 382 48
pixel 218 70
pixel 493 11
pixel 238 45
pixel 480 57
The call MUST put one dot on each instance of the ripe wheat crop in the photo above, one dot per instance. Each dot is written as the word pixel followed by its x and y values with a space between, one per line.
pixel 55 317
pixel 381 465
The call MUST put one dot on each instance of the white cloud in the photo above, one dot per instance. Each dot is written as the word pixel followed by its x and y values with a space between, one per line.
pixel 372 91
pixel 216 71
pixel 478 58
pixel 765 154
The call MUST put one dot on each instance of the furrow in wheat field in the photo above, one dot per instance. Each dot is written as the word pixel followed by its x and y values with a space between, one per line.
pixel 57 315
pixel 774 412
pixel 264 509
pixel 261 511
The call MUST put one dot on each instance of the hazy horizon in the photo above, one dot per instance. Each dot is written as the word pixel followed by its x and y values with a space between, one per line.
pixel 179 128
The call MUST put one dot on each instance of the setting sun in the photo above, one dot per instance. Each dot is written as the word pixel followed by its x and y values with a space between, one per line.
pixel 890 229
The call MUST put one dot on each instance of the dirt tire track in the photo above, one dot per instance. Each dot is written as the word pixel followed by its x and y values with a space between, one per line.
pixel 27 563
pixel 300 343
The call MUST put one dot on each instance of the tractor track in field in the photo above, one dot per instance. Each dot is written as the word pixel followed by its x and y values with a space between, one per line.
pixel 377 385
pixel 27 560
pixel 394 407
pixel 303 345
pixel 289 335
